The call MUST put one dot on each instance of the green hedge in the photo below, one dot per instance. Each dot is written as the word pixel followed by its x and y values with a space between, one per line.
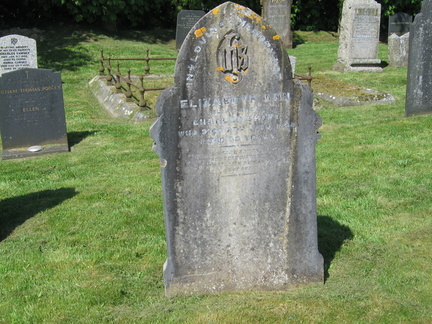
pixel 306 14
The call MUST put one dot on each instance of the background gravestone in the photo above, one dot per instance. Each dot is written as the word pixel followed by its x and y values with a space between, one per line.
pixel 186 19
pixel 419 82
pixel 399 23
pixel 17 52
pixel 236 136
pixel 398 49
pixel 359 37
pixel 32 119
pixel 278 14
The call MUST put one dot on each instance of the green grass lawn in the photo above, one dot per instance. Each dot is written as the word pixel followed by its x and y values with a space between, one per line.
pixel 82 233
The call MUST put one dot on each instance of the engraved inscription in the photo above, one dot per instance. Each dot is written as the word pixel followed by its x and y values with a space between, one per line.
pixel 204 35
pixel 242 134
pixel 26 112
pixel 278 15
pixel 14 57
pixel 232 57
pixel 365 33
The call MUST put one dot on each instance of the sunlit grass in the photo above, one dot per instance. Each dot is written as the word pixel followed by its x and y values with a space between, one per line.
pixel 82 234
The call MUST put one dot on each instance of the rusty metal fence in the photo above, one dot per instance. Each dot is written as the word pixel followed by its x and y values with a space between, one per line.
pixel 125 83
pixel 307 77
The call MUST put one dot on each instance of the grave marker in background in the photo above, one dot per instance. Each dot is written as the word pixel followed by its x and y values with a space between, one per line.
pixel 399 23
pixel 359 37
pixel 236 136
pixel 17 52
pixel 186 19
pixel 278 14
pixel 32 118
pixel 419 82
pixel 398 49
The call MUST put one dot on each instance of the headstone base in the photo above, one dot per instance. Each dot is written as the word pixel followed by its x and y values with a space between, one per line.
pixel 357 67
pixel 226 281
pixel 25 152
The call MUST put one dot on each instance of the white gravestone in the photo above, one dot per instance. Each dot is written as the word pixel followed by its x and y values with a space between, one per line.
pixel 17 52
pixel 359 37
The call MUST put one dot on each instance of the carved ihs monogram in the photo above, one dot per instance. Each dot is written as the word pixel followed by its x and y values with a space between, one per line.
pixel 232 57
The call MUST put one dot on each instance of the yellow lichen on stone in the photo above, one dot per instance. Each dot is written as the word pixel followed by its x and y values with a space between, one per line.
pixel 200 32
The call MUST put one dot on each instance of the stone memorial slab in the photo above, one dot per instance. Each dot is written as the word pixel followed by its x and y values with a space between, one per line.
pixel 236 137
pixel 359 37
pixel 278 14
pixel 398 49
pixel 32 118
pixel 186 19
pixel 399 24
pixel 17 52
pixel 419 81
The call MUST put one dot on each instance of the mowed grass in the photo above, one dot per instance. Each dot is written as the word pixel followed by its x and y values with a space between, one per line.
pixel 82 233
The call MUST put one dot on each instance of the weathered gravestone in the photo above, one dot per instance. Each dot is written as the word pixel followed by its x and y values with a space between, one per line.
pixel 186 19
pixel 32 119
pixel 359 37
pixel 398 49
pixel 236 136
pixel 399 23
pixel 419 81
pixel 278 14
pixel 17 52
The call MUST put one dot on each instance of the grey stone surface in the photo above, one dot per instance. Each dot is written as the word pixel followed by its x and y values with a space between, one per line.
pixel 278 14
pixel 236 137
pixel 399 23
pixel 186 19
pixel 115 103
pixel 293 61
pixel 32 113
pixel 359 37
pixel 419 82
pixel 398 49
pixel 17 52
pixel 369 97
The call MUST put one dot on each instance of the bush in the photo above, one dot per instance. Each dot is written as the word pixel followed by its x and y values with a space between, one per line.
pixel 306 14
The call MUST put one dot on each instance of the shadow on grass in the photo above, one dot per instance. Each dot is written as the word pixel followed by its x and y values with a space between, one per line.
pixel 384 64
pixel 15 211
pixel 75 138
pixel 331 236
pixel 58 49
pixel 298 40
pixel 153 36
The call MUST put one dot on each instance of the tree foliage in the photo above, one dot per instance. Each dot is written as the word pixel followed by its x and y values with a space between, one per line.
pixel 306 14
